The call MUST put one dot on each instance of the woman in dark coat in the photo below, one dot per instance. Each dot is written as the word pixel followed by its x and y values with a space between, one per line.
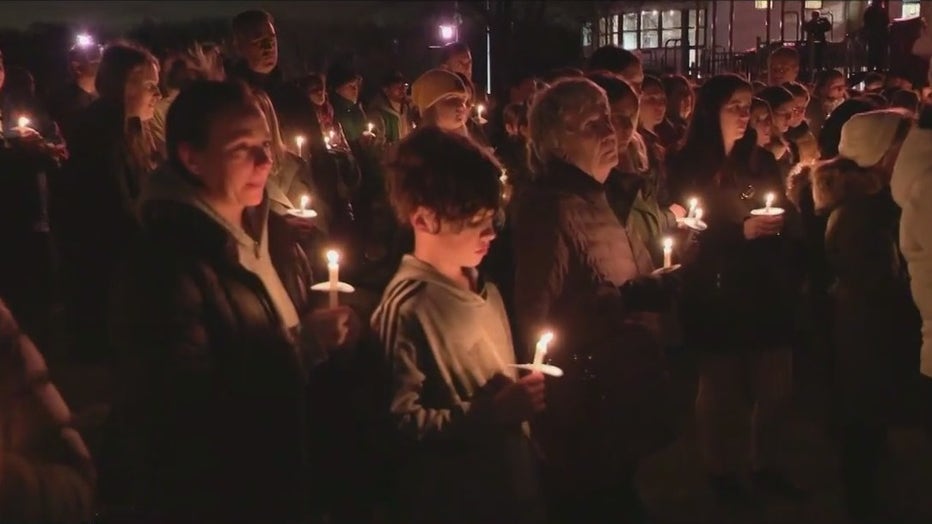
pixel 737 310
pixel 579 274
pixel 876 327
pixel 110 161
pixel 214 335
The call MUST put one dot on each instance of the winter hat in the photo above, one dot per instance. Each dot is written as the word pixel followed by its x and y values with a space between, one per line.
pixel 867 137
pixel 435 85
pixel 341 74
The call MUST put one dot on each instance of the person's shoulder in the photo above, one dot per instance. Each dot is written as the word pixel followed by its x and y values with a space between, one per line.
pixel 403 297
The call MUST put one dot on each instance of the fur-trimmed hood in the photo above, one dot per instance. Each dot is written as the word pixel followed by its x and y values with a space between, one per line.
pixel 833 183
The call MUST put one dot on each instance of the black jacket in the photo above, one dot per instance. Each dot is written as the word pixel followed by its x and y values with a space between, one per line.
pixel 739 293
pixel 210 423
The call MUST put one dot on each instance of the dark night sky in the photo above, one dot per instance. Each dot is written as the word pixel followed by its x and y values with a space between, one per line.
pixel 19 14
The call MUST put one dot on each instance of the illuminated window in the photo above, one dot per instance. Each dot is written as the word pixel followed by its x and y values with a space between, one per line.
pixel 910 9
pixel 652 29
pixel 810 4
pixel 608 30
pixel 629 34
pixel 650 23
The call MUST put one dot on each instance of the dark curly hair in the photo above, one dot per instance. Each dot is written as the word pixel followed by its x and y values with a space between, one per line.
pixel 449 174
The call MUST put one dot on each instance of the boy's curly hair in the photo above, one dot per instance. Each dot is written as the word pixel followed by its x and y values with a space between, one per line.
pixel 449 174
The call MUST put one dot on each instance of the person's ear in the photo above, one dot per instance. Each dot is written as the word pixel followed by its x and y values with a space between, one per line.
pixel 190 159
pixel 425 221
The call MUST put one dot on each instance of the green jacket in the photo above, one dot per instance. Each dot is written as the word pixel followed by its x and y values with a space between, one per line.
pixel 350 116
pixel 390 125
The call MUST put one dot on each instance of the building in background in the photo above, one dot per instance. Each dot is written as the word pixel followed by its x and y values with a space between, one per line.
pixel 704 37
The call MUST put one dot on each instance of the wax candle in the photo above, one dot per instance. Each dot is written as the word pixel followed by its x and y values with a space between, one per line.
pixel 541 349
pixel 369 131
pixel 693 202
pixel 698 214
pixel 327 141
pixel 768 201
pixel 299 141
pixel 305 201
pixel 333 270
pixel 479 110
pixel 667 252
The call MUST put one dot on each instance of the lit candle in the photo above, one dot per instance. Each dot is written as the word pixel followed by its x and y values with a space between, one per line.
pixel 305 201
pixel 23 122
pixel 504 178
pixel 768 201
pixel 667 252
pixel 327 141
pixel 299 141
pixel 693 202
pixel 541 349
pixel 698 214
pixel 369 132
pixel 479 110
pixel 333 270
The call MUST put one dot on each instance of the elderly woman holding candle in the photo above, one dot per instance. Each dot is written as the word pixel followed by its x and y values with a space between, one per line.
pixel 739 294
pixel 579 275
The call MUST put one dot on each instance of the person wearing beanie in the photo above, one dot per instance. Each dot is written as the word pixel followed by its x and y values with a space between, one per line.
pixel 875 325
pixel 912 190
pixel 440 98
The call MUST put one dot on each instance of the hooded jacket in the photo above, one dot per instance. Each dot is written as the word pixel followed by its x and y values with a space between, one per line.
pixel 912 190
pixel 210 424
pixel 444 349
pixel 875 325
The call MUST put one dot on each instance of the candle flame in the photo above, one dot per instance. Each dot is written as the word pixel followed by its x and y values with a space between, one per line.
pixel 480 108
pixel 371 126
pixel 299 140
pixel 667 243
pixel 22 122
pixel 333 258
pixel 769 199
pixel 693 202
pixel 332 134
pixel 305 201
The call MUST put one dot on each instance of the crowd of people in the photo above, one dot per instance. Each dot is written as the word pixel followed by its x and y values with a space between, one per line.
pixel 521 269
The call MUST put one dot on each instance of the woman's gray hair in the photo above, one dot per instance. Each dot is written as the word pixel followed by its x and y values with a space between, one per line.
pixel 548 113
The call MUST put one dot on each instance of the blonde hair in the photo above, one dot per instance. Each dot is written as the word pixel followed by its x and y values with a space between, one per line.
pixel 548 113
pixel 271 118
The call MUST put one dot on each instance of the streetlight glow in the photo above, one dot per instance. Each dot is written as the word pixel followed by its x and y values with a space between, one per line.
pixel 446 32
pixel 84 40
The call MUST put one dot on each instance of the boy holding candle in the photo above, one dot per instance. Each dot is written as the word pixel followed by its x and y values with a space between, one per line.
pixel 457 408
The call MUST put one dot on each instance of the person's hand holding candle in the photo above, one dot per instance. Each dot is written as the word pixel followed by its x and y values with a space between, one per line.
pixel 334 327
pixel 765 221
pixel 762 226
pixel 519 400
